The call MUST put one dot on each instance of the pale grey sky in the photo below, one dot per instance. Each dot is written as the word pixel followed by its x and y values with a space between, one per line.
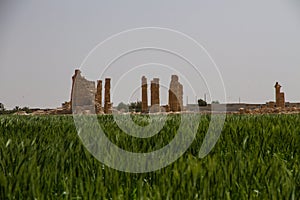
pixel 254 43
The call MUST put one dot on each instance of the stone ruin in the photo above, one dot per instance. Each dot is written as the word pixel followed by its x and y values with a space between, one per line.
pixel 107 103
pixel 271 107
pixel 88 97
pixel 175 95
pixel 155 101
pixel 83 92
pixel 175 103
pixel 144 95
pixel 98 97
pixel 279 96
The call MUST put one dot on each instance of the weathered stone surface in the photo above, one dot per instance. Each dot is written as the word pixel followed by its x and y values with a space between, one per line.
pixel 155 100
pixel 98 97
pixel 107 103
pixel 144 95
pixel 83 91
pixel 175 95
pixel 271 104
pixel 280 99
pixel 86 97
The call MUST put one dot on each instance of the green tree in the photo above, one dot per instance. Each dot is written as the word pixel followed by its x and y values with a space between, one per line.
pixel 122 106
pixel 26 109
pixel 16 109
pixel 201 102
pixel 135 106
pixel 215 102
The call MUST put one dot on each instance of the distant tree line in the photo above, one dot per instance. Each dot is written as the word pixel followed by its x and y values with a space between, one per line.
pixel 131 107
pixel 4 111
pixel 137 106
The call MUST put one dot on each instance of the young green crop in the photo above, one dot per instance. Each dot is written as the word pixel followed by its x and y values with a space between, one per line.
pixel 256 157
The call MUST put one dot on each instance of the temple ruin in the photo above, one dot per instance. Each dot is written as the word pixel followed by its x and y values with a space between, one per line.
pixel 175 95
pixel 175 103
pixel 89 97
pixel 279 96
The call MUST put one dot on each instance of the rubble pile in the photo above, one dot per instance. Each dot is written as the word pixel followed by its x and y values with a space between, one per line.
pixel 287 110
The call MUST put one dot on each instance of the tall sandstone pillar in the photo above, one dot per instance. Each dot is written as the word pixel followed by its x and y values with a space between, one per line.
pixel 155 101
pixel 98 97
pixel 175 95
pixel 144 95
pixel 279 96
pixel 107 103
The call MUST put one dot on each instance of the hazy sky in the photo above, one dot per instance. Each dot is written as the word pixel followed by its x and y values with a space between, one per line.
pixel 254 43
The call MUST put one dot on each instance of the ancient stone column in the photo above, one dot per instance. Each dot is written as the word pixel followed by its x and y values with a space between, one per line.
pixel 279 96
pixel 155 102
pixel 277 93
pixel 175 95
pixel 98 97
pixel 171 97
pixel 144 95
pixel 282 100
pixel 107 103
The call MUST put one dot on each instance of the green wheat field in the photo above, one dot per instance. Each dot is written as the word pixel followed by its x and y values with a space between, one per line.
pixel 256 157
